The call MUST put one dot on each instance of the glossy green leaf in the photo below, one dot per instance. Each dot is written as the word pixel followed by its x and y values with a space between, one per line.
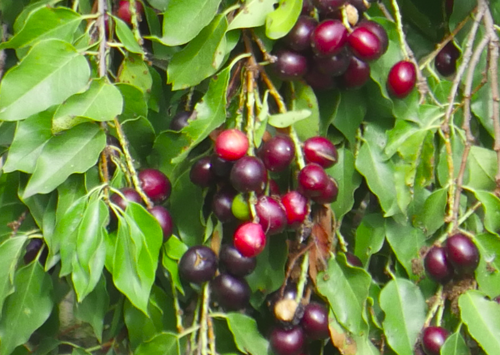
pixel 134 102
pixel 74 151
pixel 482 318
pixel 246 335
pixel 304 98
pixel 405 311
pixel 141 135
pixel 135 71
pixel 10 251
pixel 487 273
pixel 26 309
pixel 455 345
pixel 126 37
pixel 172 267
pixel 51 72
pixel 491 206
pixel 184 20
pixel 482 168
pixel 252 13
pixel 282 120
pixel 370 237
pixel 164 343
pixel 350 112
pixel 281 21
pixel 434 211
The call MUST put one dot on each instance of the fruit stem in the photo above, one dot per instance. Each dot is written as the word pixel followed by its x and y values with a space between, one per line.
pixel 304 269
pixel 342 242
pixel 252 201
pixel 438 303
pixel 194 324
pixel 399 25
pixel 298 147
pixel 345 19
pixel 177 307
pixel 203 340
pixel 135 22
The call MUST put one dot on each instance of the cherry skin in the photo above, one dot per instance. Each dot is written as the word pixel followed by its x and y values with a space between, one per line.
pixel 433 339
pixel 401 79
pixel 287 342
pixel 222 204
pixel 329 37
pixel 155 184
pixel 296 208
pixel 356 75
pixel 353 260
pixel 124 10
pixel 326 6
pixel 318 80
pixel 334 65
pixel 299 37
pixel 130 195
pixel 272 216
pixel 231 292
pixel 277 153
pixel 248 174
pixel 321 151
pixel 220 167
pixel 201 173
pixel 232 262
pixel 315 321
pixel 312 180
pixel 231 144
pixel 364 44
pixel 249 239
pixel 329 193
pixel 377 30
pixel 437 266
pixel 290 65
pixel 198 264
pixel 462 253
pixel 164 219
pixel 180 120
pixel 446 59
pixel 307 7
pixel 32 250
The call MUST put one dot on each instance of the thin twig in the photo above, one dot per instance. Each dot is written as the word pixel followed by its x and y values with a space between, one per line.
pixel 203 339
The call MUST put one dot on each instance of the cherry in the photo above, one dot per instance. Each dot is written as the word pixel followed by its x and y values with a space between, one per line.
pixel 130 195
pixel 277 153
pixel 334 65
pixel 201 172
pixel 240 207
pixel 180 120
pixel 312 180
pixel 287 342
pixel 249 239
pixel 377 30
pixel 32 250
pixel 288 312
pixel 402 78
pixel 353 260
pixel 315 321
pixel 449 6
pixel 289 293
pixel 437 266
pixel 124 10
pixel 296 208
pixel 248 174
pixel 433 339
pixel 329 193
pixel 462 253
pixel 328 37
pixel 321 151
pixel 446 59
pixel 231 144
pixel 307 7
pixel 198 264
pixel 272 216
pixel 221 167
pixel 164 219
pixel 326 6
pixel 361 5
pixel 155 184
pixel 222 204
pixel 299 38
pixel 232 293
pixel 274 188
pixel 232 262
pixel 365 44
pixel 290 65
pixel 356 75
pixel 318 80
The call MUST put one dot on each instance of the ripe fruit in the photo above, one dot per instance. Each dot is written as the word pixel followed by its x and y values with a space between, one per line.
pixel 296 208
pixel 312 180
pixel 318 80
pixel 180 120
pixel 356 75
pixel 155 184
pixel 232 262
pixel 248 174
pixel 287 342
pixel 277 153
pixel 299 38
pixel 321 151
pixel 272 216
pixel 433 339
pixel 32 250
pixel 446 59
pixel 124 10
pixel 402 79
pixel 201 172
pixel 328 37
pixel 315 321
pixel 164 219
pixel 232 293
pixel 221 167
pixel 307 7
pixel 329 193
pixel 377 30
pixel 130 195
pixel 361 5
pixel 462 253
pixel 290 65
pixel 198 264
pixel 231 144
pixel 353 260
pixel 249 239
pixel 326 6
pixel 437 266
pixel 364 44
pixel 334 65
pixel 222 204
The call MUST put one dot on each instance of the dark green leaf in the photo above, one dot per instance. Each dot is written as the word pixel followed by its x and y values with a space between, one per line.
pixel 281 21
pixel 252 13
pixel 134 102
pixel 482 168
pixel 370 236
pixel 164 343
pixel 491 205
pixel 434 211
pixel 246 335
pixel 140 134
pixel 488 271
pixel 305 99
pixel 350 112
pixel 10 250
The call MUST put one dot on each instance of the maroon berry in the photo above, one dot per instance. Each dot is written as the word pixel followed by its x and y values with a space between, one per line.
pixel 124 10
pixel 321 151
pixel 32 250
pixel 334 65
pixel 329 193
pixel 287 342
pixel 377 30
pixel 277 153
pixel 402 79
pixel 249 174
pixel 274 188
pixel 201 173
pixel 164 219
pixel 222 204
pixel 307 7
pixel 272 216
pixel 232 262
pixel 198 264
pixel 312 180
pixel 356 75
pixel 220 167
pixel 296 208
pixel 180 120
pixel 155 184
pixel 250 239
pixel 437 266
pixel 129 194
pixel 364 44
pixel 433 339
pixel 232 293
pixel 290 65
pixel 462 253
pixel 315 321
pixel 299 38
pixel 329 37
pixel 353 260
pixel 318 80
pixel 326 6
pixel 446 59
pixel 231 144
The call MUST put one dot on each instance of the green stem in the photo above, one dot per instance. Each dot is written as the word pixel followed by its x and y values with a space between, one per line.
pixel 399 24
pixel 304 269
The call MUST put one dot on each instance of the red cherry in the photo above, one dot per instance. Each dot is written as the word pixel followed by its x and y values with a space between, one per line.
pixel 364 44
pixel 155 184
pixel 272 216
pixel 296 208
pixel 462 253
pixel 249 239
pixel 433 339
pixel 299 37
pixel 164 219
pixel 321 151
pixel 402 79
pixel 437 265
pixel 356 75
pixel 377 30
pixel 329 193
pixel 124 10
pixel 231 144
pixel 329 37
pixel 312 180
pixel 290 65
pixel 277 153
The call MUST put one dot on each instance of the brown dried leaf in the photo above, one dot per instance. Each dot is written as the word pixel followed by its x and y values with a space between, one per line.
pixel 345 344
pixel 322 237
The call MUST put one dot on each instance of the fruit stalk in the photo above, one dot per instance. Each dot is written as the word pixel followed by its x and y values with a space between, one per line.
pixel 203 340
pixel 304 269
pixel 178 311
pixel 436 305
pixel 135 22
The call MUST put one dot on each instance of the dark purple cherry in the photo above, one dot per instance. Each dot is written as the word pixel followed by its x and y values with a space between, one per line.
pixel 164 219
pixel 198 264
pixel 32 250
pixel 433 339
pixel 437 266
pixel 353 260
pixel 130 195
pixel 312 180
pixel 401 79
pixel 446 59
pixel 274 188
pixel 377 30
pixel 329 193
pixel 287 342
pixel 180 120
pixel 277 153
pixel 290 65
pixel 296 207
pixel 334 65
pixel 315 321
pixel 307 7
pixel 329 37
pixel 221 167
pixel 299 38
pixel 272 216
pixel 248 174
pixel 356 75
pixel 318 80
pixel 155 184
pixel 201 172
pixel 222 204
pixel 232 262
pixel 364 44
pixel 327 6
pixel 321 151
pixel 232 293
pixel 462 253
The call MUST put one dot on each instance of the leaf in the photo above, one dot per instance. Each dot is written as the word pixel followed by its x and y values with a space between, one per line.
pixel 482 168
pixel 26 309
pixel 305 99
pixel 455 345
pixel 164 343
pixel 433 212
pixel 282 120
pixel 246 335
pixel 51 72
pixel 197 60
pixel 73 151
pixel 346 289
pixel 135 72
pixel 134 102
pixel 10 250
pixel 126 36
pixel 405 311
pixel 491 205
pixel 184 20
pixel 45 23
pixel 281 21
pixel 488 271
pixel 482 318
pixel 252 13
pixel 141 135
pixel 370 237
pixel 350 112
pixel 31 136
pixel 349 344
